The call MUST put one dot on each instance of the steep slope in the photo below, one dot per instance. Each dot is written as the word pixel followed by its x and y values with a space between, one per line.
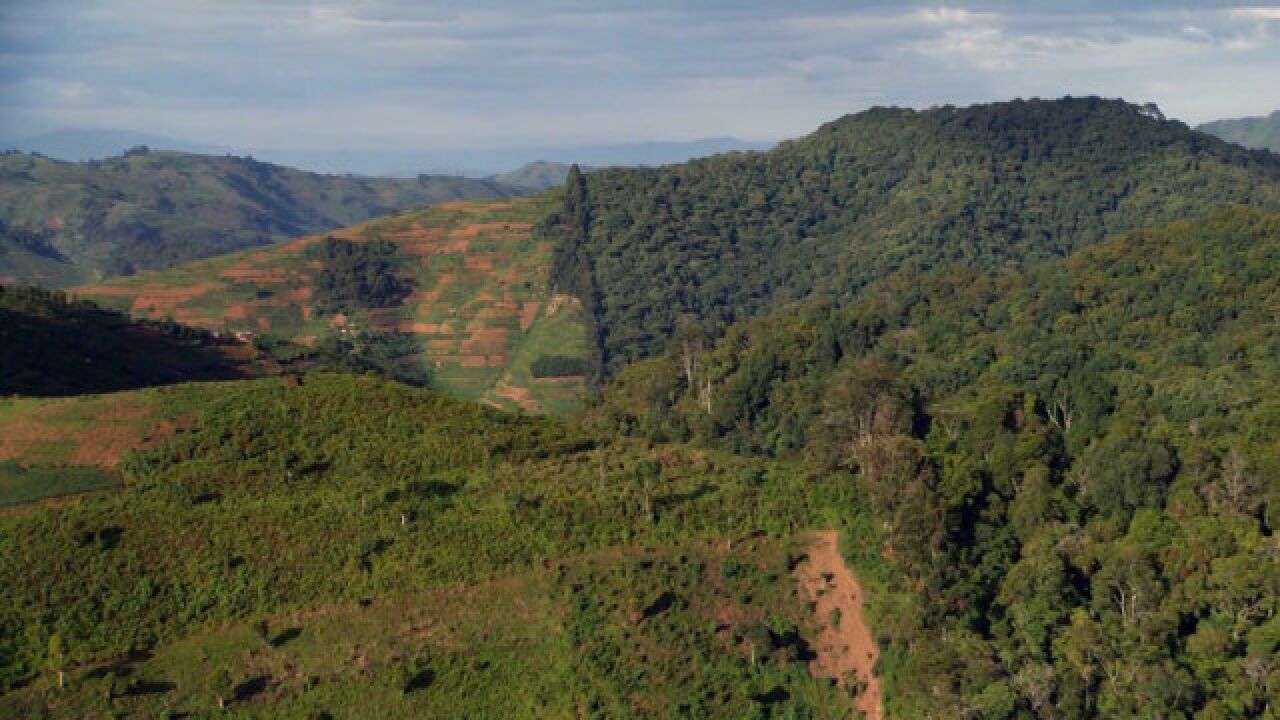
pixel 470 303
pixel 1255 132
pixel 66 223
pixel 1074 467
pixel 887 190
pixel 352 548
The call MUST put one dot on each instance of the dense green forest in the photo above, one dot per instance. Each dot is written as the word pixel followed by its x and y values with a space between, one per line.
pixel 67 223
pixel 356 275
pixel 53 344
pixel 888 190
pixel 1075 466
pixel 1254 132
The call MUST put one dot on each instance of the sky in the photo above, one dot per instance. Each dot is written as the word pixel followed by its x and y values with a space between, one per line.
pixel 386 75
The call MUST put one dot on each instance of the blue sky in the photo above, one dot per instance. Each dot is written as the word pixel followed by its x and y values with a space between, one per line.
pixel 484 74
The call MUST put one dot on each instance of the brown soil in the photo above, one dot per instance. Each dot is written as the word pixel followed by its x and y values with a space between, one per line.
pixel 844 647
pixel 528 312
pixel 474 229
pixel 117 428
pixel 487 341
pixel 518 395
pixel 483 263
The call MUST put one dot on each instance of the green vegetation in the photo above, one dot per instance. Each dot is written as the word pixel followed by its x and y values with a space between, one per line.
pixel 1021 356
pixel 21 484
pixel 1255 132
pixel 67 223
pixel 355 275
pixel 1074 467
pixel 726 238
pixel 558 366
pixel 355 547
pixel 51 344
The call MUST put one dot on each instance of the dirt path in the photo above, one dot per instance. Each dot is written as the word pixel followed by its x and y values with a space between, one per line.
pixel 844 646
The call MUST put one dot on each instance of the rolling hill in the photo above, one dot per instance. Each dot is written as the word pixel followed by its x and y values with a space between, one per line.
pixel 65 223
pixel 475 310
pixel 888 190
pixel 1255 132
pixel 352 548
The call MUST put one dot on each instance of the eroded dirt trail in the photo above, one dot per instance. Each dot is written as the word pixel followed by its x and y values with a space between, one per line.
pixel 844 647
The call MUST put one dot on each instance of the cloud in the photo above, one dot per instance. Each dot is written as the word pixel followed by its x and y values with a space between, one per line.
pixel 1256 13
pixel 377 73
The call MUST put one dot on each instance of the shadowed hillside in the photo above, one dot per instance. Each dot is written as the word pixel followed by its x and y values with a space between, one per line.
pixel 54 345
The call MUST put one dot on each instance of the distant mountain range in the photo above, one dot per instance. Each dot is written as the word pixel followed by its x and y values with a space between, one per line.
pixel 63 223
pixel 80 144
pixel 1255 132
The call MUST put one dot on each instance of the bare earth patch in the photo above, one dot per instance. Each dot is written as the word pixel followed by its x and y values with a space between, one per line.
pixel 844 647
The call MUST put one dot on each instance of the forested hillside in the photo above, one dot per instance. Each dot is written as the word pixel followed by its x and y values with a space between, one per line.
pixel 888 190
pixel 1254 132
pixel 1075 467
pixel 66 223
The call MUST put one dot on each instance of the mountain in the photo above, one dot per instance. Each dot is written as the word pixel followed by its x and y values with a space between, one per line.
pixel 84 144
pixel 1073 466
pixel 534 176
pixel 64 223
pixel 483 162
pixel 456 292
pixel 726 238
pixel 1255 132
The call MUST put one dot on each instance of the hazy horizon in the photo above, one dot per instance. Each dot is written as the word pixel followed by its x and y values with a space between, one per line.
pixel 382 76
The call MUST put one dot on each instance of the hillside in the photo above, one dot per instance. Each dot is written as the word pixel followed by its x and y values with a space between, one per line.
pixel 461 295
pixel 535 176
pixel 888 190
pixel 1075 467
pixel 1255 132
pixel 54 345
pixel 67 223
pixel 352 548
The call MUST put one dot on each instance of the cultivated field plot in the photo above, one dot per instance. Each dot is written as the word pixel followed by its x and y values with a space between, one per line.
pixel 480 304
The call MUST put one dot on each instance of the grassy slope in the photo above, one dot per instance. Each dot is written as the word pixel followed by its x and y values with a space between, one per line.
pixel 481 304
pixel 157 209
pixel 358 548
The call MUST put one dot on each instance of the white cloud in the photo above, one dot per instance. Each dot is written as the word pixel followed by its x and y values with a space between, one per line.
pixel 947 16
pixel 1256 13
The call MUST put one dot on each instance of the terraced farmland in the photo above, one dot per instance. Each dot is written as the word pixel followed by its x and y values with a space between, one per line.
pixel 480 303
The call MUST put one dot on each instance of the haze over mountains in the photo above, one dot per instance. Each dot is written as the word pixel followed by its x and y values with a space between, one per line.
pixel 80 144
pixel 1254 132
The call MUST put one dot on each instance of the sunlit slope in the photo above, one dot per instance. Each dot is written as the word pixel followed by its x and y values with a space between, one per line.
pixel 354 548
pixel 480 303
